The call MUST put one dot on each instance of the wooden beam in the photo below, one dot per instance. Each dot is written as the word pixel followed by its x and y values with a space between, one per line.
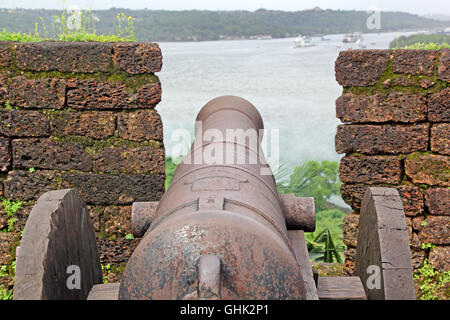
pixel 340 288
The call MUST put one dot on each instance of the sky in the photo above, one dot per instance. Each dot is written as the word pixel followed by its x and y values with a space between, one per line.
pixel 412 6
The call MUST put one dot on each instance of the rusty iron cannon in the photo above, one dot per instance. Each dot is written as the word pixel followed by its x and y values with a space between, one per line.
pixel 221 231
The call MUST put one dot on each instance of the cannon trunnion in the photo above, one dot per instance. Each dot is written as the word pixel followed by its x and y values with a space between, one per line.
pixel 221 231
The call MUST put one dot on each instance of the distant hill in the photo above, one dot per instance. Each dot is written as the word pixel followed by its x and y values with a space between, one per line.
pixel 162 25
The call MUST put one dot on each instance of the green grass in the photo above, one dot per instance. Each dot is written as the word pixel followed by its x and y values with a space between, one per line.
pixel 124 30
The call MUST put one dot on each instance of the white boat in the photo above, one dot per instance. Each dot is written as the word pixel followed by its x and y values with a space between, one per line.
pixel 302 41
pixel 354 37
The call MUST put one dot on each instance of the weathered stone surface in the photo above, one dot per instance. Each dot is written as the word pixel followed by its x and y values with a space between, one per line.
pixel 3 90
pixel 87 57
pixel 5 154
pixel 412 197
pixel 44 153
pixel 21 216
pixel 115 189
pixel 439 258
pixel 350 261
pixel 383 242
pixel 375 139
pixel 96 213
pixel 439 106
pixel 144 159
pixel 381 107
pixel 24 185
pixel 116 251
pixel 97 125
pixel 443 65
pixel 5 54
pixel 350 229
pixel 436 230
pixel 417 223
pixel 440 138
pixel 428 169
pixel 360 67
pixel 23 123
pixel 414 62
pixel 6 240
pixel 417 258
pixel 117 220
pixel 140 125
pixel 370 169
pixel 438 201
pixel 404 81
pixel 43 93
pixel 57 235
pixel 90 94
pixel 137 58
pixel 149 95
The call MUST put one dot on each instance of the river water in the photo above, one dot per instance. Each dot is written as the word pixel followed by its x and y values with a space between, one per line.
pixel 294 89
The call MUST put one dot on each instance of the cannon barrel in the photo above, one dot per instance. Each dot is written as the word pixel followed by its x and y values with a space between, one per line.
pixel 222 202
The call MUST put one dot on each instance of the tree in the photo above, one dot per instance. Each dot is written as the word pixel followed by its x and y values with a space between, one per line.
pixel 313 179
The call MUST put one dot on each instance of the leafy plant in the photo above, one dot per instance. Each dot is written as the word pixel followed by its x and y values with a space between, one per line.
pixel 5 294
pixel 312 179
pixel 129 236
pixel 59 29
pixel 106 269
pixel 430 281
pixel 322 248
pixel 10 208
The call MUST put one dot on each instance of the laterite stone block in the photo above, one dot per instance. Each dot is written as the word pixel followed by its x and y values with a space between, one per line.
pixel 444 65
pixel 46 154
pixel 411 197
pixel 414 62
pixel 376 139
pixel 145 159
pixel 439 106
pixel 96 125
pixel 380 107
pixel 45 93
pixel 86 57
pixel 5 54
pixel 140 125
pixel 106 189
pixel 23 185
pixel 370 169
pixel 3 90
pixel 91 94
pixel 360 67
pixel 428 169
pixel 440 138
pixel 5 154
pixel 438 201
pixel 23 123
pixel 436 230
pixel 138 58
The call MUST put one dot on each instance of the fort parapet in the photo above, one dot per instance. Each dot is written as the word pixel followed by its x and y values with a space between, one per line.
pixel 80 115
pixel 395 110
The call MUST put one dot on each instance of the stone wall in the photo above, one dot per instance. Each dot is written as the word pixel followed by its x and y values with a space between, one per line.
pixel 80 115
pixel 395 108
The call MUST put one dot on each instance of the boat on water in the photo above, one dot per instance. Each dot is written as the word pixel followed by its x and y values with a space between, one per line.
pixel 354 37
pixel 261 37
pixel 303 41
